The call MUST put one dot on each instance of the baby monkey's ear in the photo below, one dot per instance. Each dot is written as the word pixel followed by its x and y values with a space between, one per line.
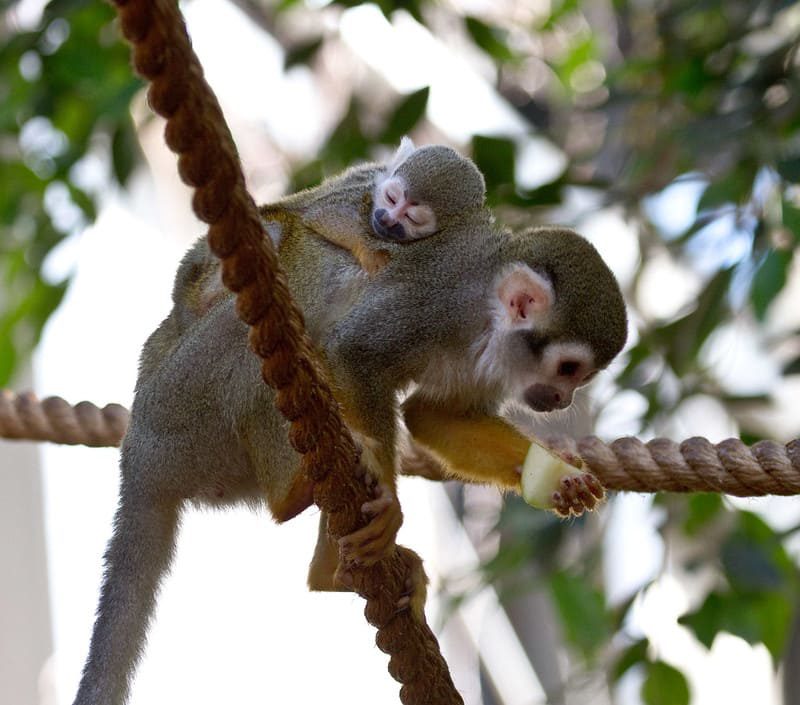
pixel 403 152
pixel 525 296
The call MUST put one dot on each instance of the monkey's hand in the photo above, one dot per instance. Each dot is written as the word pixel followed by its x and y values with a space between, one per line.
pixel 577 493
pixel 551 479
pixel 372 261
pixel 375 540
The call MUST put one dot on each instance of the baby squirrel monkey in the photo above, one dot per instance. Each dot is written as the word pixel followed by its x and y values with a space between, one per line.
pixel 475 316
pixel 371 210
pixel 414 195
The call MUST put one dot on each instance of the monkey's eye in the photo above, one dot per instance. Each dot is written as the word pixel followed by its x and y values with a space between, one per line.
pixel 392 200
pixel 568 368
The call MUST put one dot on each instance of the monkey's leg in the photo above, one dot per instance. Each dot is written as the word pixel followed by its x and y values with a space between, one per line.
pixel 365 390
pixel 138 554
pixel 322 571
pixel 324 574
pixel 480 448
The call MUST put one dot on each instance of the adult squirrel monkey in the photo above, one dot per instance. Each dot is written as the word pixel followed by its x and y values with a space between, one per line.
pixel 474 316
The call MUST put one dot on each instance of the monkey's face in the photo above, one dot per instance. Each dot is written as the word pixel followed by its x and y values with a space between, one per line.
pixel 542 370
pixel 554 373
pixel 395 216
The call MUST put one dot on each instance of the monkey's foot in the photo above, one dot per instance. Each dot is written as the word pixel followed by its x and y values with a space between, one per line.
pixel 576 494
pixel 415 589
pixel 375 540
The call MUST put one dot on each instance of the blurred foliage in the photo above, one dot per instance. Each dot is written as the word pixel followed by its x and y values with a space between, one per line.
pixel 642 98
pixel 65 93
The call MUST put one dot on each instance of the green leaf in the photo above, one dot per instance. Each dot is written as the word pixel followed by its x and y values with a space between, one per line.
pixel 684 338
pixel 491 39
pixel 83 201
pixel 302 52
pixel 789 169
pixel 769 280
pixel 793 368
pixel 347 143
pixel 405 116
pixel 124 151
pixel 756 618
pixel 58 8
pixel 733 188
pixel 635 654
pixel 495 157
pixel 701 509
pixel 8 360
pixel 748 565
pixel 758 535
pixel 579 54
pixel 664 685
pixel 558 11
pixel 791 219
pixel 550 194
pixel 586 622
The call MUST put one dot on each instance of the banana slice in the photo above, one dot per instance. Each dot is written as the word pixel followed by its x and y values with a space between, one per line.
pixel 541 473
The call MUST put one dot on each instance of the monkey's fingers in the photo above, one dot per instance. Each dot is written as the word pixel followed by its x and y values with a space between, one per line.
pixel 384 498
pixel 576 494
pixel 375 540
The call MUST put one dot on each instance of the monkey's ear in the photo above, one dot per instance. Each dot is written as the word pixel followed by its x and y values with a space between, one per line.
pixel 403 152
pixel 524 295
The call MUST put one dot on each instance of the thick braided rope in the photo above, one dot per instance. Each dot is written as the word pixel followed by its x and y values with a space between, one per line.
pixel 23 416
pixel 208 161
pixel 627 464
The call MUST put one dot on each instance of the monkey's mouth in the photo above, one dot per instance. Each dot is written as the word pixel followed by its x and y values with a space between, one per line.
pixel 392 233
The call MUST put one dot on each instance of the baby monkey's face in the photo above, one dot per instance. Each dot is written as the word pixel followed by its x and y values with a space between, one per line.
pixel 396 217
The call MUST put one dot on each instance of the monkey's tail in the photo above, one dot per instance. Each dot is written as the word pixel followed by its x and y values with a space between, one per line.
pixel 138 554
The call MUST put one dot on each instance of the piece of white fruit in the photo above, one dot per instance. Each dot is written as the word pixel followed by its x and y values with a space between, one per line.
pixel 541 474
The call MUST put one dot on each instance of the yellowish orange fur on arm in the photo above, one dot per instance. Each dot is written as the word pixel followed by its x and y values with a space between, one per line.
pixel 477 448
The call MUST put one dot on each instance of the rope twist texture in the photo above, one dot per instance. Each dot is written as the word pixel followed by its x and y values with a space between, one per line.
pixel 626 465
pixel 208 161
pixel 23 416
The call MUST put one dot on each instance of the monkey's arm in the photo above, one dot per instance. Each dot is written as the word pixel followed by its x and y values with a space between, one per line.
pixel 338 211
pixel 417 462
pixel 346 230
pixel 479 448
pixel 489 450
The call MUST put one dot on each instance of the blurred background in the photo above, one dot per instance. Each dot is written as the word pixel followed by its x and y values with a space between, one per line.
pixel 668 133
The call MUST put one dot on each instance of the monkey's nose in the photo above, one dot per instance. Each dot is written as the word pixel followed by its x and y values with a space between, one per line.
pixel 384 218
pixel 545 397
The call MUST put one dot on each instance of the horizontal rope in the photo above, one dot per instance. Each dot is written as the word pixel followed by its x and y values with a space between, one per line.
pixel 627 464
pixel 25 417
